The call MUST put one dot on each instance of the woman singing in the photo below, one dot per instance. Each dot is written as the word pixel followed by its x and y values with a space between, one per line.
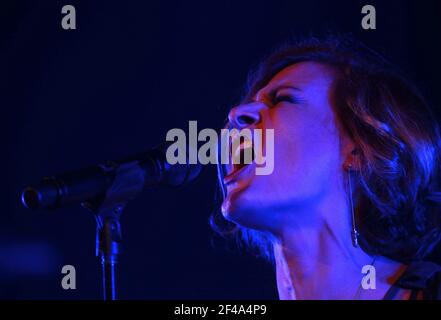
pixel 356 178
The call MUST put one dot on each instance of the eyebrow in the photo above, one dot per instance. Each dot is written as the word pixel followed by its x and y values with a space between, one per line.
pixel 286 86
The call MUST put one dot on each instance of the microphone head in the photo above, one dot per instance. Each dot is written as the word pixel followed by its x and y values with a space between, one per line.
pixel 30 198
pixel 45 195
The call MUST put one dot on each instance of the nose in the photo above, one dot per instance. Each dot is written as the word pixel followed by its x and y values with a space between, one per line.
pixel 245 115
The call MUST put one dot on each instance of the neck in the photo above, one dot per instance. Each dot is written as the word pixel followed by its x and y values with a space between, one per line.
pixel 319 261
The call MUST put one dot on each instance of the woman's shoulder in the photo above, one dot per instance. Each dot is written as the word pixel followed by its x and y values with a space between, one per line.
pixel 423 278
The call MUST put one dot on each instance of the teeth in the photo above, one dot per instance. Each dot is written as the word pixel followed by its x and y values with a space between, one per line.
pixel 242 150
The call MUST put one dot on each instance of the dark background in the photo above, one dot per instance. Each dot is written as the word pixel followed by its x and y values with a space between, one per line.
pixel 130 72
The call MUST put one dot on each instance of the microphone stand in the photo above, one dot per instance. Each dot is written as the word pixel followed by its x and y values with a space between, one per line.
pixel 127 183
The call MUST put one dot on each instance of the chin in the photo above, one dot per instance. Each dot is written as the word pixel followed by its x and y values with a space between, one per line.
pixel 230 210
pixel 237 210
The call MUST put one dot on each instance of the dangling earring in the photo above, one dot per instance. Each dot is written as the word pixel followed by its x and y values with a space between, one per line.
pixel 354 232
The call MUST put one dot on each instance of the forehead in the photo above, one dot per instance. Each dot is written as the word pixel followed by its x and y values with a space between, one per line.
pixel 302 75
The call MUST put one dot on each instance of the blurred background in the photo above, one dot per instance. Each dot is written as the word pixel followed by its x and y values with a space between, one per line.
pixel 131 71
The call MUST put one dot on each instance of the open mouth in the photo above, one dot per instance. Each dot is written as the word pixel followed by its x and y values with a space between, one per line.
pixel 241 159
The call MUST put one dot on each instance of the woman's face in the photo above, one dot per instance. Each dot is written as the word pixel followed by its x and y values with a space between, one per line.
pixel 309 150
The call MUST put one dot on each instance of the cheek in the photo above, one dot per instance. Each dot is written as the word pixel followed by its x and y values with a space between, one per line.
pixel 307 150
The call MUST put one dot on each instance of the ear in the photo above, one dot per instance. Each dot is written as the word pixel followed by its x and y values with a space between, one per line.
pixel 350 155
pixel 352 160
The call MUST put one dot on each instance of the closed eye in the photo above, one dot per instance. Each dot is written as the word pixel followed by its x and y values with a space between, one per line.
pixel 286 98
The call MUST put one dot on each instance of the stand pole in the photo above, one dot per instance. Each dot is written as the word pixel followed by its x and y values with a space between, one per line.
pixel 108 248
pixel 109 280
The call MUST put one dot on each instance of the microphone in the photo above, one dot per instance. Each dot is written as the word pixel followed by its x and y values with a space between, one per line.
pixel 147 170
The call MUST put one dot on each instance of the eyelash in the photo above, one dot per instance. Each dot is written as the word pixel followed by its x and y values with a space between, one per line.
pixel 286 98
